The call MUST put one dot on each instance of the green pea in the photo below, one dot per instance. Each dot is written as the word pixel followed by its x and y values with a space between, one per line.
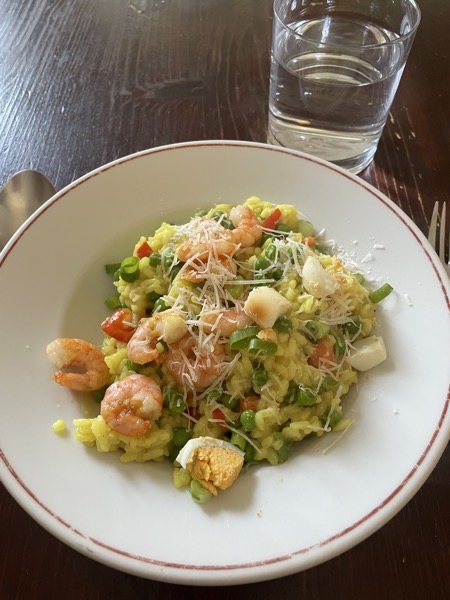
pixel 262 263
pixel 332 419
pixel 247 419
pixel 180 436
pixel 154 259
pixel 270 252
pixel 329 384
pixel 260 376
pixel 276 273
pixel 305 396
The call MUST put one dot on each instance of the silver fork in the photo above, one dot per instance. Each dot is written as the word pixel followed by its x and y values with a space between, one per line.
pixel 438 222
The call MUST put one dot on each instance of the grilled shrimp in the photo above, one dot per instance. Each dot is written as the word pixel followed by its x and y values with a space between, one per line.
pixel 225 322
pixel 131 405
pixel 209 238
pixel 193 368
pixel 169 326
pixel 73 352
pixel 248 230
pixel 197 270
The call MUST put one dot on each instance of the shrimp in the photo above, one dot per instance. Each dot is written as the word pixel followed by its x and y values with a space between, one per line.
pixel 131 405
pixel 169 326
pixel 225 322
pixel 209 238
pixel 248 230
pixel 196 270
pixel 191 368
pixel 73 352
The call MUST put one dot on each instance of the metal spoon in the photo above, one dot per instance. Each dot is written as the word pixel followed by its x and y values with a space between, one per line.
pixel 19 198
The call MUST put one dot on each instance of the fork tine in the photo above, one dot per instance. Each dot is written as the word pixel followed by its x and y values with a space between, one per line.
pixel 433 225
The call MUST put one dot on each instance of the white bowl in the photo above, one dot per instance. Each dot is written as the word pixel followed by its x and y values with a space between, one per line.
pixel 275 520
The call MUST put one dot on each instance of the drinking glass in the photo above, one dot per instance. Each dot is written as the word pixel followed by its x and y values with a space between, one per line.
pixel 335 69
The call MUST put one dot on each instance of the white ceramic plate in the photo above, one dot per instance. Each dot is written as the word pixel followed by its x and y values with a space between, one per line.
pixel 275 520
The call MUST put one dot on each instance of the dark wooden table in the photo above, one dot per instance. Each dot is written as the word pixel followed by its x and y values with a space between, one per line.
pixel 87 81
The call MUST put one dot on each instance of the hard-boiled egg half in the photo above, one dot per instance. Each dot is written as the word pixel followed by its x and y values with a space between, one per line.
pixel 213 463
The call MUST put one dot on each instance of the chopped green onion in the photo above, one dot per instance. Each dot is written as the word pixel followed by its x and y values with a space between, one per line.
pixel 224 220
pixel 265 237
pixel 161 346
pixel 339 345
pixel 111 268
pixel 238 440
pixel 381 293
pixel 131 366
pixel 247 420
pixel 236 289
pixel 113 302
pixel 129 269
pixel 290 396
pixel 260 376
pixel 283 325
pixel 317 329
pixel 98 394
pixel 240 339
pixel 154 259
pixel 250 452
pixel 167 260
pixel 153 296
pixel 228 401
pixel 174 401
pixel 305 396
pixel 199 493
pixel 353 326
pixel 282 228
pixel 214 395
pixel 359 278
pixel 160 306
pixel 281 446
pixel 305 228
pixel 257 346
pixel 180 436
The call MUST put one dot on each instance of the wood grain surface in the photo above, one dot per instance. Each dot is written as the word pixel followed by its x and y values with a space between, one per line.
pixel 88 81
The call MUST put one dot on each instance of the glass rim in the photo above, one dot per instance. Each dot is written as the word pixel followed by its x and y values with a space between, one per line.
pixel 401 37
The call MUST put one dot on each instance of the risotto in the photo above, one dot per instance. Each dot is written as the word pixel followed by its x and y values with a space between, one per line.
pixel 236 330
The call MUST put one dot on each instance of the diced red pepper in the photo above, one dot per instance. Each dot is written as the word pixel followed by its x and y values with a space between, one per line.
pixel 117 326
pixel 309 241
pixel 271 221
pixel 249 403
pixel 218 414
pixel 144 250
